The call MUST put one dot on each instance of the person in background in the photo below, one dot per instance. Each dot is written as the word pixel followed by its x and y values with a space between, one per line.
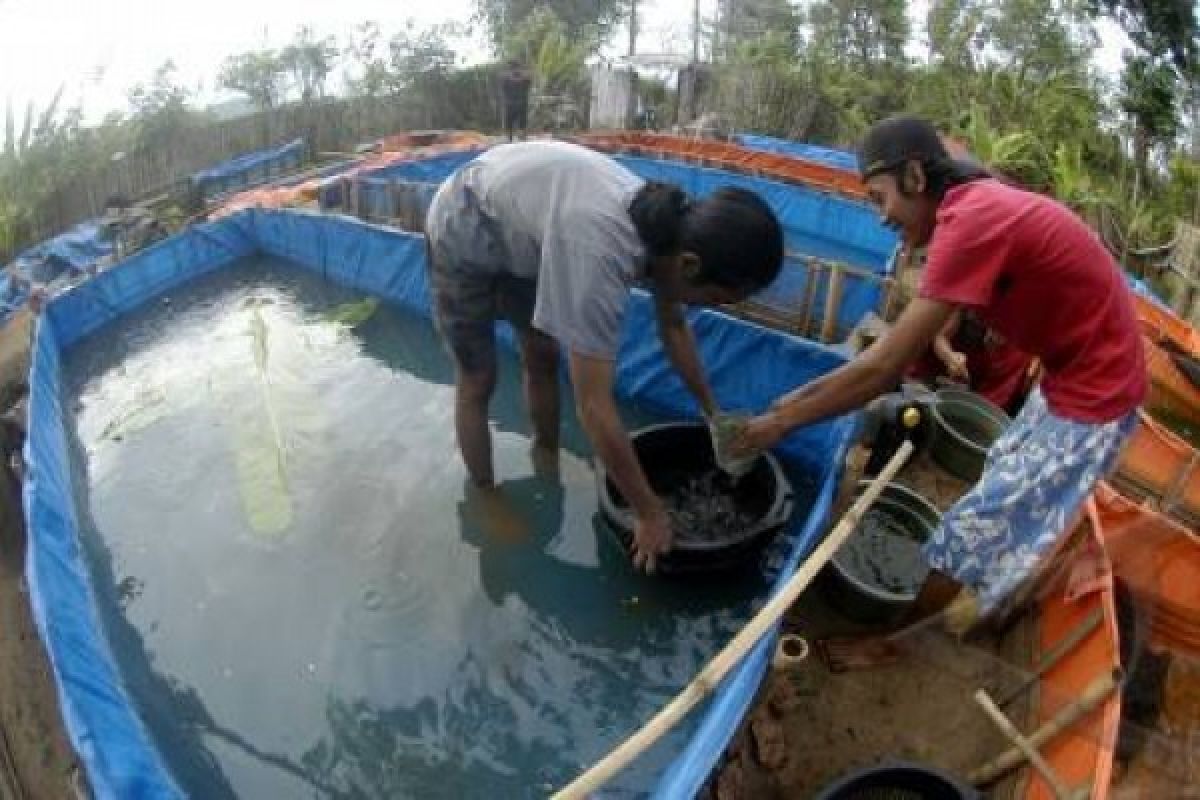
pixel 515 83
pixel 553 237
pixel 1032 271
pixel 967 352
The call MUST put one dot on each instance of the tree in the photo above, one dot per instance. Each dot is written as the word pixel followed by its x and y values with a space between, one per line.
pixel 372 76
pixel 1168 27
pixel 257 74
pixel 420 65
pixel 159 108
pixel 1040 39
pixel 865 34
pixel 309 61
pixel 590 21
pixel 1148 96
pixel 955 32
pixel 419 55
pixel 1161 77
pixel 544 41
pixel 749 22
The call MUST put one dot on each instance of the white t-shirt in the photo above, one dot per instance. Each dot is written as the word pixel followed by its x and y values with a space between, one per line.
pixel 562 213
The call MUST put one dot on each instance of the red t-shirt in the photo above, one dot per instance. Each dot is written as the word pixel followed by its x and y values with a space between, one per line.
pixel 1037 275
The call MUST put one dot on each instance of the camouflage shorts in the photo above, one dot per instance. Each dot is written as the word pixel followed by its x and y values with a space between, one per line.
pixel 471 279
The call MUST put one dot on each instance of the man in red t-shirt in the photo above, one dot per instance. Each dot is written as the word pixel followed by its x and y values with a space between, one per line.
pixel 1033 272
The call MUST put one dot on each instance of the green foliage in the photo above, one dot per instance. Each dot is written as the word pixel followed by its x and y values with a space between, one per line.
pixel 544 41
pixel 1182 192
pixel 309 61
pixel 591 22
pixel 1148 96
pixel 159 108
pixel 259 75
pixel 1012 78
pixel 366 52
pixel 419 55
pixel 864 35
pixel 1169 28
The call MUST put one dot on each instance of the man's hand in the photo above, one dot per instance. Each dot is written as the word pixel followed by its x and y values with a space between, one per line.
pixel 757 435
pixel 651 538
pixel 956 366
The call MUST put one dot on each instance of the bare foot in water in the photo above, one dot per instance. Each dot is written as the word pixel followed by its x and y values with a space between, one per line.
pixel 852 655
pixel 492 510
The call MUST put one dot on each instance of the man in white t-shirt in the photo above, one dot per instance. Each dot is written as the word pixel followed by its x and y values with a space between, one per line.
pixel 552 237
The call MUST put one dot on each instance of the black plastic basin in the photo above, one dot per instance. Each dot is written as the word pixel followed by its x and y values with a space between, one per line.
pixel 675 452
pixel 898 781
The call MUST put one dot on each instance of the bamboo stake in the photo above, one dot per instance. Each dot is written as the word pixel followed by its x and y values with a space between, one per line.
pixel 1056 654
pixel 1061 792
pixel 887 306
pixel 833 301
pixel 1095 694
pixel 714 672
pixel 810 293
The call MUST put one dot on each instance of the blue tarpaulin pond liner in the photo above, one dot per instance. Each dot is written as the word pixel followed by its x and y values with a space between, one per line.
pixel 749 367
pixel 829 156
pixel 249 169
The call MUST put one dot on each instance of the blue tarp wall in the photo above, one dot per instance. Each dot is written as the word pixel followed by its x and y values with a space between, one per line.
pixel 249 169
pixel 748 367
pixel 828 156
pixel 815 223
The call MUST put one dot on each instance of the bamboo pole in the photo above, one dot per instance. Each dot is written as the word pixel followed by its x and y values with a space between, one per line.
pixel 714 672
pixel 1056 654
pixel 1028 750
pixel 1095 694
pixel 833 301
pixel 810 294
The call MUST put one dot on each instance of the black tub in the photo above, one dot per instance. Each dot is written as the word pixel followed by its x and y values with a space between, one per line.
pixel 899 780
pixel 673 452
pixel 866 601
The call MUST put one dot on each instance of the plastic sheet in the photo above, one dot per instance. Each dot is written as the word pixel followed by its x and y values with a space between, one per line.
pixel 842 159
pixel 120 759
pixel 724 155
pixel 248 169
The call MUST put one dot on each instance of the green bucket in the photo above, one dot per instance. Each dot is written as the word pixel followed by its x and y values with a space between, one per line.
pixel 965 426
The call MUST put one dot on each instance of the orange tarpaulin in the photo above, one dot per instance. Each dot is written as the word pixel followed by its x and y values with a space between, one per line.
pixel 1162 325
pixel 1161 464
pixel 394 149
pixel 1083 755
pixel 1159 560
pixel 723 155
pixel 1170 388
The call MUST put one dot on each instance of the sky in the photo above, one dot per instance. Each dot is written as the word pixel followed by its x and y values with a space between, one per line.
pixel 98 49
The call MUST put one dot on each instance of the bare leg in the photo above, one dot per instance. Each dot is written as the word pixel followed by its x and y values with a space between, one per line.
pixel 848 654
pixel 488 505
pixel 539 356
pixel 473 390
